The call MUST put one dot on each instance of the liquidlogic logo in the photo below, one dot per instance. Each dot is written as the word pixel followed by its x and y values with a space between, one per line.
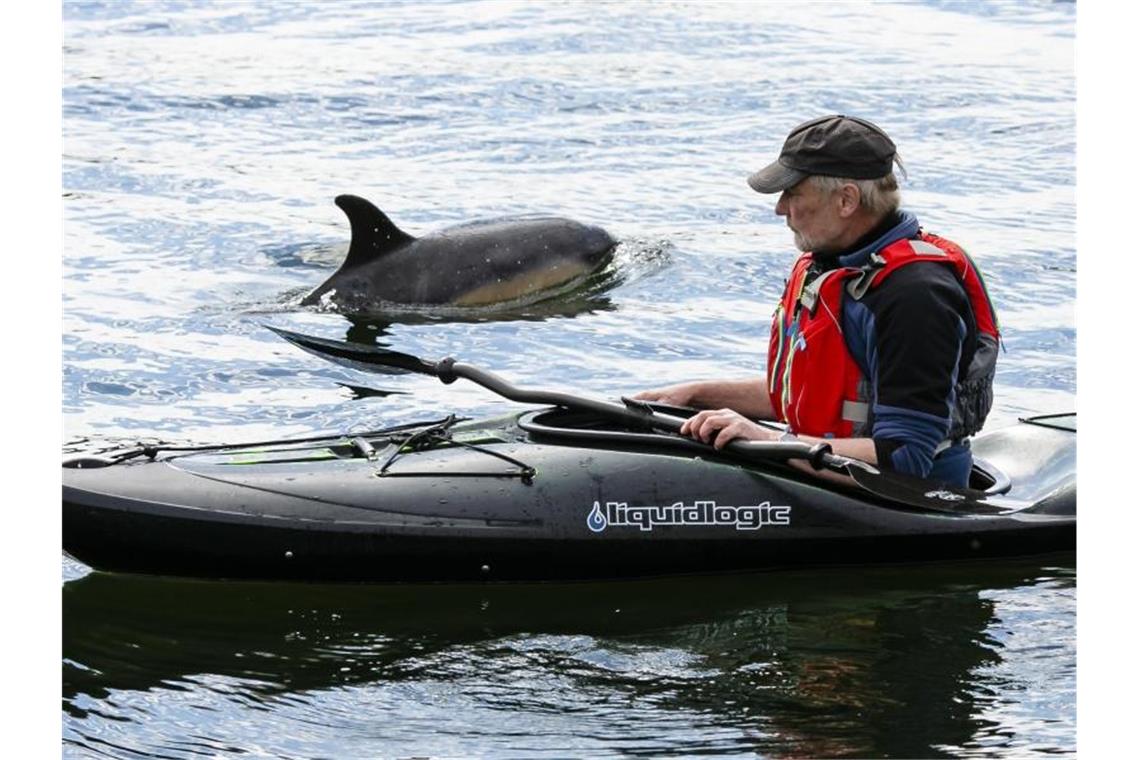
pixel 618 514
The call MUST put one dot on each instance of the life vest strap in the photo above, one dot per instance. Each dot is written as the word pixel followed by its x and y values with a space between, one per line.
pixel 948 443
pixel 859 284
pixel 856 411
pixel 809 294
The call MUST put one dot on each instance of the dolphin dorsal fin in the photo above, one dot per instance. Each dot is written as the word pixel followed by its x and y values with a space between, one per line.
pixel 373 233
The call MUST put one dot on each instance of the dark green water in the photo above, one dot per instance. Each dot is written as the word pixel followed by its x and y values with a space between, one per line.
pixel 899 662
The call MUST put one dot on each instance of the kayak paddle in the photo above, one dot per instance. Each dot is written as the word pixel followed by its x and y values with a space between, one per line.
pixel 902 489
pixel 371 358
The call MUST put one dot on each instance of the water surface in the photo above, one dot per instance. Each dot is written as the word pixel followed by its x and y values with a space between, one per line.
pixel 203 145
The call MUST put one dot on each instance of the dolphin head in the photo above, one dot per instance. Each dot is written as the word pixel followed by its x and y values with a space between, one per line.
pixel 596 243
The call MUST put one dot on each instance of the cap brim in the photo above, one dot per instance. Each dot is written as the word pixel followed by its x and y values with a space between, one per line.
pixel 775 178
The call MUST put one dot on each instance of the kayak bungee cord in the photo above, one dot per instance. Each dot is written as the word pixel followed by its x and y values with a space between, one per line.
pixel 1046 421
pixel 151 451
pixel 435 435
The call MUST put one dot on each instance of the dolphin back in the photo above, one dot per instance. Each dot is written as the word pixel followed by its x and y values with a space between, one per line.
pixel 373 233
pixel 475 263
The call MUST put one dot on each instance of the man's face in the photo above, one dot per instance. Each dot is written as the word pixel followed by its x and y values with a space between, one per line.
pixel 813 217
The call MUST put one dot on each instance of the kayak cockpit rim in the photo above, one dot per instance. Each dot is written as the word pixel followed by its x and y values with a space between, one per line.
pixel 558 424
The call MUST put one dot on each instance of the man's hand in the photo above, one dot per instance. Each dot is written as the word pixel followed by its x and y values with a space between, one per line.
pixel 748 395
pixel 719 426
pixel 673 395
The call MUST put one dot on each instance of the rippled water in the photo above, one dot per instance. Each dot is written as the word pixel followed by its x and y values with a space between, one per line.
pixel 203 146
pixel 954 662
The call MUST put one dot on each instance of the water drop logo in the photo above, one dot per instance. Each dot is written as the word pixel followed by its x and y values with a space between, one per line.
pixel 596 521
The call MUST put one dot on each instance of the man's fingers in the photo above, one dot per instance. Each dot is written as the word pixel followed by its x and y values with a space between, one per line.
pixel 738 429
pixel 719 427
pixel 674 395
pixel 708 426
pixel 705 425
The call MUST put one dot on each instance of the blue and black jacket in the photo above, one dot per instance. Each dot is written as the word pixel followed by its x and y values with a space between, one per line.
pixel 914 337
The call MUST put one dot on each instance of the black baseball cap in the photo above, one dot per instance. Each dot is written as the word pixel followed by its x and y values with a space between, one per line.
pixel 834 146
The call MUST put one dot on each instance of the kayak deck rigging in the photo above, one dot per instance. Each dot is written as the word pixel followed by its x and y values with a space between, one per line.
pixel 437 435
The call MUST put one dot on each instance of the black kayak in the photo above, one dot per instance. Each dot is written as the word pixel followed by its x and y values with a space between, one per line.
pixel 580 490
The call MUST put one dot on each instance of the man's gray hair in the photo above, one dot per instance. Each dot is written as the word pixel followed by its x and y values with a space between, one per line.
pixel 878 196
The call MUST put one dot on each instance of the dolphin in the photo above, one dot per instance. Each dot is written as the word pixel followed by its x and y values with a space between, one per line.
pixel 469 264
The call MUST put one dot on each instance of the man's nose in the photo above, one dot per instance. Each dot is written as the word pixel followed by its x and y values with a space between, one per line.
pixel 782 206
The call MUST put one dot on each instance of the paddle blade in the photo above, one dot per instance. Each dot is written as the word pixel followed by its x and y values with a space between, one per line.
pixel 365 358
pixel 927 496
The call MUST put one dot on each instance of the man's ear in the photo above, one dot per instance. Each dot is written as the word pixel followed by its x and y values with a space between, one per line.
pixel 849 197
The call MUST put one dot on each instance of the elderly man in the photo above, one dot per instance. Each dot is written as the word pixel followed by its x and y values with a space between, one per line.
pixel 884 342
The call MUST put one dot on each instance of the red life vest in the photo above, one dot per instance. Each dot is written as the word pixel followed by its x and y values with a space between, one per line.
pixel 814 383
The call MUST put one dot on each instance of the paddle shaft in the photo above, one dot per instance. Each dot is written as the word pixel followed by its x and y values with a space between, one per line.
pixel 448 370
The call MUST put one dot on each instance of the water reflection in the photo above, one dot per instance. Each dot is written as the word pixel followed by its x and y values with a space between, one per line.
pixel 874 662
pixel 583 296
